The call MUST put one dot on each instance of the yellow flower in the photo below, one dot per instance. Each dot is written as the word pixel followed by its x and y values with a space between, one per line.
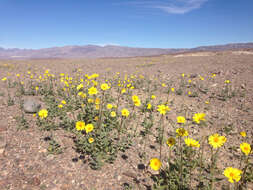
pixel 227 81
pixel 137 103
pixel 80 86
pixel 90 100
pixel 206 102
pixel 155 164
pixel 182 74
pixel 189 93
pixel 216 140
pixel 171 141
pixel 43 113
pixel 163 85
pixel 60 106
pixel 89 128
pixel 135 98
pixel 92 91
pixel 125 112
pixel 232 174
pixel 129 85
pixel 97 101
pixel 105 86
pixel 153 97
pixel 245 148
pixel 63 102
pixel 189 81
pixel 182 132
pixel 243 134
pixel 4 79
pixel 163 109
pixel 198 117
pixel 109 106
pixel 123 91
pixel 149 106
pixel 113 114
pixel 91 140
pixel 80 125
pixel 181 119
pixel 36 88
pixel 201 78
pixel 172 89
pixel 18 75
pixel 83 95
pixel 191 142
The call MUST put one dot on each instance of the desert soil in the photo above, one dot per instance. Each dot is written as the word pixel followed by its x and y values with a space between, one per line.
pixel 24 162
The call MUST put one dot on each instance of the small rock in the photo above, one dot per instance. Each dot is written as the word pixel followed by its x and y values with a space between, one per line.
pixel 31 105
pixel 1 151
pixel 214 85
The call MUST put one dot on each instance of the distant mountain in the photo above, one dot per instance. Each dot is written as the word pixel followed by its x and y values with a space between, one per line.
pixel 94 51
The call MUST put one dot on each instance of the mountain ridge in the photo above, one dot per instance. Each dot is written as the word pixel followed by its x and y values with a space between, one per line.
pixel 96 51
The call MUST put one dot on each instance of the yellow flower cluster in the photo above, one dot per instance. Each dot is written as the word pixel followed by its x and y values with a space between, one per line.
pixel 136 100
pixel 80 126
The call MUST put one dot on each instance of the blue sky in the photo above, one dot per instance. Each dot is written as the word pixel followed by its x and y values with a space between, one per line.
pixel 136 23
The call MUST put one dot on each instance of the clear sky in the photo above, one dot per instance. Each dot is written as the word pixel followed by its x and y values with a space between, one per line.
pixel 137 23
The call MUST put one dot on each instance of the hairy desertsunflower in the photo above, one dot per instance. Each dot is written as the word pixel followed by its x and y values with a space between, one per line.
pixel 155 164
pixel 243 133
pixel 92 90
pixel 80 125
pixel 137 103
pixel 149 106
pixel 199 117
pixel 245 148
pixel 125 112
pixel 123 90
pixel 181 132
pixel 135 98
pixel 97 101
pixel 232 174
pixel 113 114
pixel 104 86
pixel 63 102
pixel 172 89
pixel 216 140
pixel 43 113
pixel 171 141
pixel 191 142
pixel 227 81
pixel 91 140
pixel 80 86
pixel 109 106
pixel 153 97
pixel 60 106
pixel 181 120
pixel 89 128
pixel 4 79
pixel 163 109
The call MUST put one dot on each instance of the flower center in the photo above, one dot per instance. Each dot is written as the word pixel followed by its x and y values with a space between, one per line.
pixel 216 139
